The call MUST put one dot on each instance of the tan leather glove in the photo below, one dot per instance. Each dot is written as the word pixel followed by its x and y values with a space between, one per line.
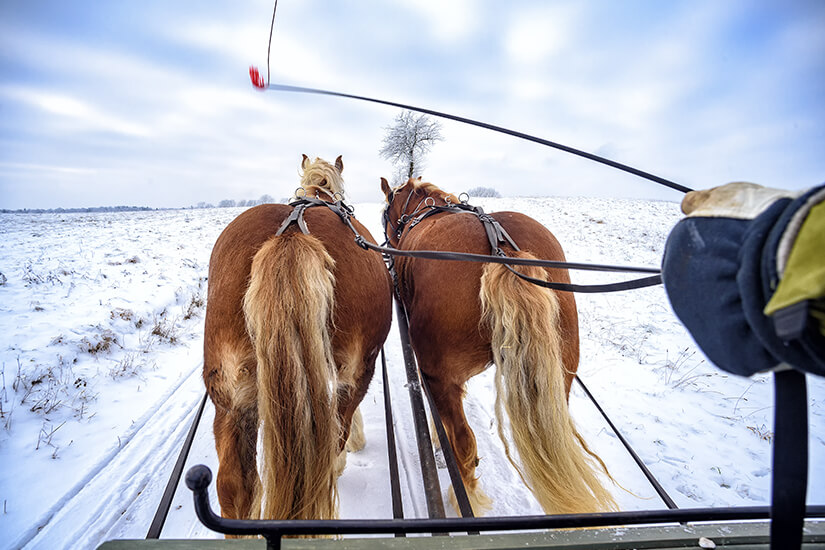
pixel 740 200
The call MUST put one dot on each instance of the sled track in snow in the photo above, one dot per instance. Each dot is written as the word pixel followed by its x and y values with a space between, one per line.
pixel 151 443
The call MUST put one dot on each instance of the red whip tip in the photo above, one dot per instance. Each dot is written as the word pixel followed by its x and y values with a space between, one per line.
pixel 257 79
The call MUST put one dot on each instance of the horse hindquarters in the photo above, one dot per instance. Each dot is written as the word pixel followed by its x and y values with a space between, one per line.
pixel 530 387
pixel 288 307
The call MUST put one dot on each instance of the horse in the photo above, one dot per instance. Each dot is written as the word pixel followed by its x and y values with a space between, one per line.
pixel 322 177
pixel 294 323
pixel 465 316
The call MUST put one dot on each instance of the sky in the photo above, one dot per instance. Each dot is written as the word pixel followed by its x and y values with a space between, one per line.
pixel 149 103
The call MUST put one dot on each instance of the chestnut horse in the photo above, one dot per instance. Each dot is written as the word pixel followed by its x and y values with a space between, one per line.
pixel 464 316
pixel 294 323
pixel 322 177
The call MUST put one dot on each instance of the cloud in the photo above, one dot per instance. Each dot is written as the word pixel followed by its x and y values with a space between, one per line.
pixel 448 22
pixel 82 115
pixel 696 92
pixel 535 35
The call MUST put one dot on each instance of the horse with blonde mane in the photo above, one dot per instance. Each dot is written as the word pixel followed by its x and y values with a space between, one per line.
pixel 319 177
pixel 294 323
pixel 465 316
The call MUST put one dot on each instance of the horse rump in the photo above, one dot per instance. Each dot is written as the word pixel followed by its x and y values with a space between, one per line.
pixel 288 310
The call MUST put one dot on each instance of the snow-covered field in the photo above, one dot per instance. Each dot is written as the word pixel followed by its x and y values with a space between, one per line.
pixel 102 318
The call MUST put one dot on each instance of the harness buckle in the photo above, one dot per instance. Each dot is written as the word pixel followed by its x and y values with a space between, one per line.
pixel 361 241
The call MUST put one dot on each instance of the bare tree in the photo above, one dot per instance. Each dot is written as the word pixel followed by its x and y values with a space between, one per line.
pixel 407 141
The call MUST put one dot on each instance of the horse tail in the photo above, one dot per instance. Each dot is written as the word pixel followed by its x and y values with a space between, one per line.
pixel 530 388
pixel 288 309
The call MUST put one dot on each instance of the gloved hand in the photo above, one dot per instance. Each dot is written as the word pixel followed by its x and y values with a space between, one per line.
pixel 740 200
pixel 745 273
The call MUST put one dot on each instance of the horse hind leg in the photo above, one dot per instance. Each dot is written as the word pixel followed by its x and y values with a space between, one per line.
pixel 233 390
pixel 448 399
pixel 237 480
pixel 354 376
pixel 357 440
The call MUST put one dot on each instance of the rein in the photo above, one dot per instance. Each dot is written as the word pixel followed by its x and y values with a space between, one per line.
pixel 344 211
pixel 496 236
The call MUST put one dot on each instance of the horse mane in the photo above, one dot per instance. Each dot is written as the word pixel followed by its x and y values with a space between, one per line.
pixel 314 191
pixel 432 190
pixel 319 175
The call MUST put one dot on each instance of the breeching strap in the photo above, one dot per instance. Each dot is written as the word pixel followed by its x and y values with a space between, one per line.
pixel 449 457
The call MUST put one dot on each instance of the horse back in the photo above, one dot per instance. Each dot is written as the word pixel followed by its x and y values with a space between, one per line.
pixel 464 232
pixel 443 296
pixel 225 338
pixel 363 287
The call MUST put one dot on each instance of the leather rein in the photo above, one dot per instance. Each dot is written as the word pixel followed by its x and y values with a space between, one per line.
pixel 496 235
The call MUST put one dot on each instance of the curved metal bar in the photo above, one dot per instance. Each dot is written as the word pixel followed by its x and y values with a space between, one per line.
pixel 199 477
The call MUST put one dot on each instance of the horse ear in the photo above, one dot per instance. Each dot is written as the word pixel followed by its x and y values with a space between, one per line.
pixel 339 164
pixel 304 162
pixel 385 187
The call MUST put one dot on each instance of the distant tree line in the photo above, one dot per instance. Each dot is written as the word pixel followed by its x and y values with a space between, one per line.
pixel 487 192
pixel 231 203
pixel 226 203
pixel 87 210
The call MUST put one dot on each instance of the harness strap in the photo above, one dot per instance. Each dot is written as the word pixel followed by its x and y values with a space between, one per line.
pixel 299 207
pixel 498 236
pixel 790 459
pixel 585 289
pixel 297 217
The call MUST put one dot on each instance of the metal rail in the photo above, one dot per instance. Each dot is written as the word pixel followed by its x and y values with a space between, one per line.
pixel 199 478
pixel 174 480
pixel 669 502
pixel 432 487
pixel 392 454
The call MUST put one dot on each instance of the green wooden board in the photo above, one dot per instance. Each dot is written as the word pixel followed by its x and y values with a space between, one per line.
pixel 741 536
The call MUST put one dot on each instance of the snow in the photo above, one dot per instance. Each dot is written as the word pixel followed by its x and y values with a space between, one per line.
pixel 102 321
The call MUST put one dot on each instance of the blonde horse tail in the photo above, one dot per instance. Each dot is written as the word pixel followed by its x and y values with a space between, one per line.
pixel 530 388
pixel 288 308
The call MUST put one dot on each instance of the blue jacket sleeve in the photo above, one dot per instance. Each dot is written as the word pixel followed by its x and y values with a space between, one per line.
pixel 719 274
